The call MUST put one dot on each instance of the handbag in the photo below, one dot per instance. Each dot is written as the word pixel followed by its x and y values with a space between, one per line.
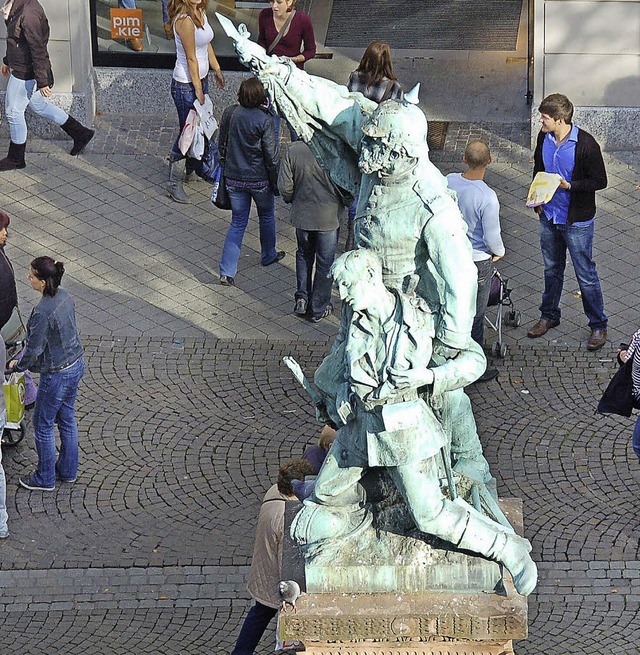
pixel 219 194
pixel 618 396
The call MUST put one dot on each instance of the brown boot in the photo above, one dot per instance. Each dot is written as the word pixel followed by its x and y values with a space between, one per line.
pixel 136 45
pixel 15 158
pixel 597 339
pixel 542 327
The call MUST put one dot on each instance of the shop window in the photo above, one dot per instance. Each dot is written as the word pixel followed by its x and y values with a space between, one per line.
pixel 137 33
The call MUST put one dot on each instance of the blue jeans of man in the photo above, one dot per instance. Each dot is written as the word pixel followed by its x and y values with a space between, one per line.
pixel 555 240
pixel 317 248
pixel 636 438
pixel 184 95
pixel 240 208
pixel 255 623
pixel 21 94
pixel 55 405
pixel 485 270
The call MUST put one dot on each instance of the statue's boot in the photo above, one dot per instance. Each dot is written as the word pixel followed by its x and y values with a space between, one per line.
pixel 511 550
pixel 319 522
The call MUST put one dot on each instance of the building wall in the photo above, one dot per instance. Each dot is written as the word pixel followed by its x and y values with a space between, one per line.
pixel 590 51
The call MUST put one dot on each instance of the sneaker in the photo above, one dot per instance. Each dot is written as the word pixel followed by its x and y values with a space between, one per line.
pixel 279 255
pixel 327 312
pixel 4 535
pixel 301 307
pixel 227 281
pixel 27 482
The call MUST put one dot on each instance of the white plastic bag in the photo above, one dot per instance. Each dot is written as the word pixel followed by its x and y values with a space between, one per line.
pixel 207 119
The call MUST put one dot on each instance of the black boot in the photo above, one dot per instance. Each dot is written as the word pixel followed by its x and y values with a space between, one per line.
pixel 15 158
pixel 80 134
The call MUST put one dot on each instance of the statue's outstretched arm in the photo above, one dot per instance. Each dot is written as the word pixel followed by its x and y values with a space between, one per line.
pixel 324 114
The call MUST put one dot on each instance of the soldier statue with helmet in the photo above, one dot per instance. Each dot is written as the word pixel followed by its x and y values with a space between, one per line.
pixel 407 216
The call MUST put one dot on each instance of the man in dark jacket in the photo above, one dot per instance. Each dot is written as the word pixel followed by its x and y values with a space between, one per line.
pixel 28 68
pixel 316 210
pixel 567 220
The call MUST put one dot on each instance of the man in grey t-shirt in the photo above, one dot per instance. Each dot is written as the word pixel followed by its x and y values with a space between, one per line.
pixel 481 211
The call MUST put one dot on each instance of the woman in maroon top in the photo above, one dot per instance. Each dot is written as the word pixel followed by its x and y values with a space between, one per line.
pixel 299 32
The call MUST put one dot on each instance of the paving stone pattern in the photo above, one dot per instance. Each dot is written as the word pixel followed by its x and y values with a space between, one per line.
pixel 186 409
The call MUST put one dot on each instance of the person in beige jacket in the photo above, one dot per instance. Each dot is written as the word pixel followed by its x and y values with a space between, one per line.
pixel 266 565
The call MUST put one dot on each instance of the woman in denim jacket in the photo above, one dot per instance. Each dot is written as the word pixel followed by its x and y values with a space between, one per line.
pixel 54 350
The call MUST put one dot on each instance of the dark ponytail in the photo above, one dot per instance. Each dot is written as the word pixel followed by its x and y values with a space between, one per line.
pixel 50 272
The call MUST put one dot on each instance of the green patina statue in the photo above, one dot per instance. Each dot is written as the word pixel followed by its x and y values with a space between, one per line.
pixel 394 382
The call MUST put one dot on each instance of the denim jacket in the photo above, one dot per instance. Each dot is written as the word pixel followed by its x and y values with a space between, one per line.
pixel 53 342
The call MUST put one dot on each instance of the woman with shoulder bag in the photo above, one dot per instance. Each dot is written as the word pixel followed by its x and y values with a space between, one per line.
pixel 624 355
pixel 249 149
pixel 194 57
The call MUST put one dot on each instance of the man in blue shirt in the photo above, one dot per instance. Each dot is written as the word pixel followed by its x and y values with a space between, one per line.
pixel 567 220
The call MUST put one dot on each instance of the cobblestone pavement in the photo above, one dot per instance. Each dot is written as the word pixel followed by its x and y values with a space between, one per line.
pixel 186 410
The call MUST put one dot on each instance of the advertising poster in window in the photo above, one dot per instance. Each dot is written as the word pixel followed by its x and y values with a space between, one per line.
pixel 143 27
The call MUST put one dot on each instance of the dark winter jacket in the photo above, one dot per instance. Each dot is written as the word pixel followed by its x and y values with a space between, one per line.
pixel 589 176
pixel 8 292
pixel 27 38
pixel 252 153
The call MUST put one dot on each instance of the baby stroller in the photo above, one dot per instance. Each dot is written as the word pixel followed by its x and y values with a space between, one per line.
pixel 14 333
pixel 500 297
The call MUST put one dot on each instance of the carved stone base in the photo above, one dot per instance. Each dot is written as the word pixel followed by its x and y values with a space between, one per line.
pixel 412 648
pixel 397 618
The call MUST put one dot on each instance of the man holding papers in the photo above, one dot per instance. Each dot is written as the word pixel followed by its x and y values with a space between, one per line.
pixel 567 220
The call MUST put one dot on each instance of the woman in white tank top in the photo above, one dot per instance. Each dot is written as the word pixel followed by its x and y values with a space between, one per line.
pixel 194 57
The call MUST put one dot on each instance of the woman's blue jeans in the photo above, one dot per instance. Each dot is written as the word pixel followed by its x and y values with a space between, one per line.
pixel 4 530
pixel 55 405
pixel 21 94
pixel 240 208
pixel 184 95
pixel 555 240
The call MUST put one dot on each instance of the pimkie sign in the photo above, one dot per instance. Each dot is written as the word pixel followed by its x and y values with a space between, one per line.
pixel 126 23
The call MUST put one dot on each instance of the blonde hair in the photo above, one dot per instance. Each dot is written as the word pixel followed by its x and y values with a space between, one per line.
pixel 327 437
pixel 180 7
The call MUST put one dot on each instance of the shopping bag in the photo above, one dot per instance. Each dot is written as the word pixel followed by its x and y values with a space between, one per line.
pixel 207 119
pixel 219 194
pixel 188 131
pixel 14 394
pixel 196 149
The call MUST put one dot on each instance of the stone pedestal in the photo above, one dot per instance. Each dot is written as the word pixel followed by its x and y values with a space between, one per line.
pixel 447 602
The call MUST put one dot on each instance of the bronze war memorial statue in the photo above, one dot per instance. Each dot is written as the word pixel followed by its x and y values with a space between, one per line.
pixel 406 479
